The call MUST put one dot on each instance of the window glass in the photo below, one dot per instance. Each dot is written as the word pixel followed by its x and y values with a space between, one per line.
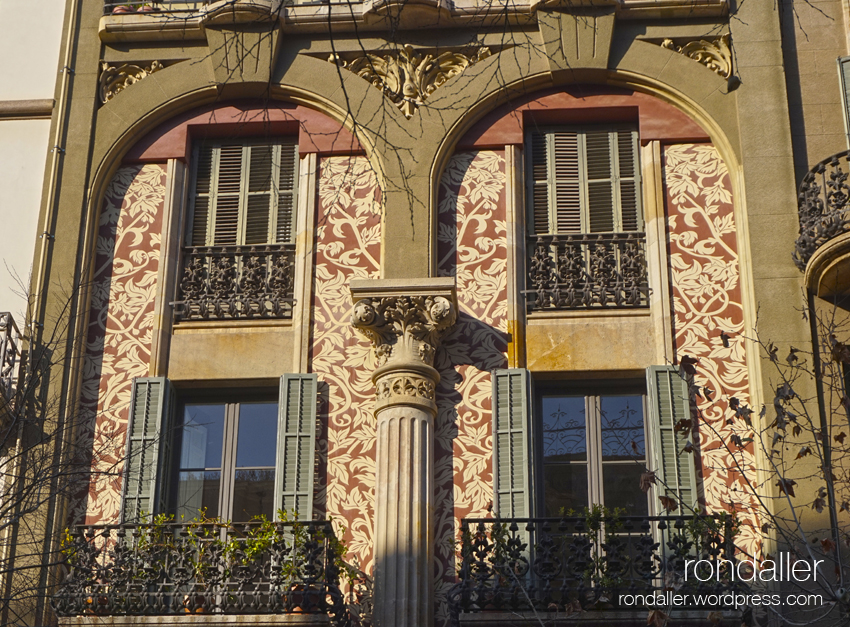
pixel 564 430
pixel 623 453
pixel 592 450
pixel 201 435
pixel 622 428
pixel 253 486
pixel 226 463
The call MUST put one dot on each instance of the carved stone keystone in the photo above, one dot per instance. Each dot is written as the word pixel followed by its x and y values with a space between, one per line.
pixel 405 321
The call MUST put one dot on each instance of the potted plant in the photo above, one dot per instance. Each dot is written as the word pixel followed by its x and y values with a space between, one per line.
pixel 122 8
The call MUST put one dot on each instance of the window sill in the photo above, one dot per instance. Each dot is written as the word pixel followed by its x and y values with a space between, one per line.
pixel 230 326
pixel 597 315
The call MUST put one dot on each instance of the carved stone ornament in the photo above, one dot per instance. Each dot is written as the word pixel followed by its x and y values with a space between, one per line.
pixel 405 385
pixel 407 78
pixel 116 78
pixel 404 329
pixel 715 55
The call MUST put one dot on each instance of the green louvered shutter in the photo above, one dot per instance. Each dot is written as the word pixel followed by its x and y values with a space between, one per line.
pixel 513 461
pixel 844 80
pixel 148 449
pixel 244 193
pixel 296 445
pixel 675 469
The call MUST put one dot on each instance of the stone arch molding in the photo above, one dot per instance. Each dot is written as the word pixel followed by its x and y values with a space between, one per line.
pixel 585 55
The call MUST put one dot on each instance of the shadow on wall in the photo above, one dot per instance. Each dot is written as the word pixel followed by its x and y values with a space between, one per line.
pixel 472 247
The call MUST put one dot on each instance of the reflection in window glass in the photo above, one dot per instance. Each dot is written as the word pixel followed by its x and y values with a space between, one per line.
pixel 253 486
pixel 201 435
pixel 622 427
pixel 564 428
pixel 593 450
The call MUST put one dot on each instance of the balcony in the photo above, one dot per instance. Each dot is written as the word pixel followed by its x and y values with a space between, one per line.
pixel 10 357
pixel 208 568
pixel 587 271
pixel 115 7
pixel 236 282
pixel 587 566
pixel 822 249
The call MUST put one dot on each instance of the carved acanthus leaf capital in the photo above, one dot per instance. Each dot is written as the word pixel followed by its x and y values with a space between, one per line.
pixel 404 329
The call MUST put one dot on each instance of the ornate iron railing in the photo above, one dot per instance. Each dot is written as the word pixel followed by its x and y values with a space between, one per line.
pixel 572 564
pixel 10 355
pixel 587 271
pixel 227 282
pixel 822 205
pixel 193 568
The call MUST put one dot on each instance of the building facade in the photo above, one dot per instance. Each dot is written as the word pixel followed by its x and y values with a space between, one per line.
pixel 417 281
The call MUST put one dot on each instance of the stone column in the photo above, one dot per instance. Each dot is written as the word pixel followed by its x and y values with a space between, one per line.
pixel 404 320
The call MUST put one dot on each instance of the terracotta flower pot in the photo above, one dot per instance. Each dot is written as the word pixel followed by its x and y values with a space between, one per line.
pixel 123 8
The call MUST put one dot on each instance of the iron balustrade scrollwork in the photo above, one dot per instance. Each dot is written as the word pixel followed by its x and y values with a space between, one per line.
pixel 232 282
pixel 211 568
pixel 570 564
pixel 10 355
pixel 822 206
pixel 586 271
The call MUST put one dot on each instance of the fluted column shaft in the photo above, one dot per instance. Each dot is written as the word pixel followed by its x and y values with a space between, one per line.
pixel 404 323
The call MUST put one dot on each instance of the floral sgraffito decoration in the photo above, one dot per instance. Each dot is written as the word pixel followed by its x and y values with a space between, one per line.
pixel 348 247
pixel 472 247
pixel 707 301
pixel 118 342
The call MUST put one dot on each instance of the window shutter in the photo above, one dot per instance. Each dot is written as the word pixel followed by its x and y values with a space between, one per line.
pixel 513 461
pixel 259 195
pixel 148 450
pixel 228 188
pixel 296 444
pixel 200 201
pixel 244 194
pixel 600 181
pixel 287 187
pixel 628 165
pixel 584 181
pixel 844 79
pixel 674 468
pixel 539 182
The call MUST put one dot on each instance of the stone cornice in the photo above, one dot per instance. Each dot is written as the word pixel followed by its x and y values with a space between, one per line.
pixel 374 16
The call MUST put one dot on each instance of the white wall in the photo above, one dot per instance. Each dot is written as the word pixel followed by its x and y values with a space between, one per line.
pixel 30 39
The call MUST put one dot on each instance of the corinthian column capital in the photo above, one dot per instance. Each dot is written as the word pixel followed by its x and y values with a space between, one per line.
pixel 405 321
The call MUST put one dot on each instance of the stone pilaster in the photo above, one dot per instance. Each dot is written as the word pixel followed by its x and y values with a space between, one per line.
pixel 404 320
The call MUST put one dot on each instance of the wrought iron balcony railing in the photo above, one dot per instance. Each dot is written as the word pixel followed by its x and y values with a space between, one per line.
pixel 572 564
pixel 228 282
pixel 822 205
pixel 586 271
pixel 195 568
pixel 10 355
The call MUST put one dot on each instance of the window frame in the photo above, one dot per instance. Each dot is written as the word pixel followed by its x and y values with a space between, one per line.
pixel 232 399
pixel 149 471
pixel 592 391
pixel 582 130
pixel 278 143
